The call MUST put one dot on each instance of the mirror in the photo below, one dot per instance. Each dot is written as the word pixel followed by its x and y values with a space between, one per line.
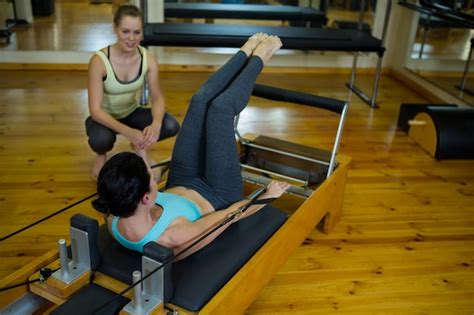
pixel 86 25
pixel 441 48
pixel 60 25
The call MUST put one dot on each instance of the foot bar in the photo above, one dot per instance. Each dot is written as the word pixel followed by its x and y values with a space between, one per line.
pixel 253 178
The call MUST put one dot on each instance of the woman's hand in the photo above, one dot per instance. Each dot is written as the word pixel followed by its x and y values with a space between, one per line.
pixel 275 189
pixel 151 134
pixel 136 137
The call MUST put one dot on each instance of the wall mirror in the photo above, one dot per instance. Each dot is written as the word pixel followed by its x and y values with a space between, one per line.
pixel 441 49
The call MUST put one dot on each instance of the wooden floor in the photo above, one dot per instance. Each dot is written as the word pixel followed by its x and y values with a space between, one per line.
pixel 405 244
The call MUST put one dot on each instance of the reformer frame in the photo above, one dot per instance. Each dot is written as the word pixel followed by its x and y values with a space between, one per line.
pixel 322 206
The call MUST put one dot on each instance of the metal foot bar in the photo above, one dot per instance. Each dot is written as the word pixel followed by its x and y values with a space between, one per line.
pixel 337 141
pixel 261 170
pixel 250 144
pixel 260 180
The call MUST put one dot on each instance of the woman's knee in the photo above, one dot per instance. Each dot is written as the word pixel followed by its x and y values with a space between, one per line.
pixel 169 127
pixel 102 142
pixel 199 99
pixel 221 106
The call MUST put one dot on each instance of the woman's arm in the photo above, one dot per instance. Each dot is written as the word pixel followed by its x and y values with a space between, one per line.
pixel 183 232
pixel 152 132
pixel 96 94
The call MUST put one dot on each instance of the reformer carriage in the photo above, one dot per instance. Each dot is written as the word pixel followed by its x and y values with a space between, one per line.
pixel 225 276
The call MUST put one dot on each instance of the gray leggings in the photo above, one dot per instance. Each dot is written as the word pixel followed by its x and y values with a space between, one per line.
pixel 102 139
pixel 205 155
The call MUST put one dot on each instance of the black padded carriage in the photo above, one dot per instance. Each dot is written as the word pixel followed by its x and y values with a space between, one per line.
pixel 245 11
pixel 191 282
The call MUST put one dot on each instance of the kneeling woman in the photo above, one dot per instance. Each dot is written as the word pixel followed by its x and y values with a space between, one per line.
pixel 204 174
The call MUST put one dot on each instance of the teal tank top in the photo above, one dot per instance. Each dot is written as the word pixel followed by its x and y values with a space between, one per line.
pixel 174 206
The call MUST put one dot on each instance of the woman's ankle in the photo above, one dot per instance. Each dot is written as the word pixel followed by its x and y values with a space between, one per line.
pixel 99 162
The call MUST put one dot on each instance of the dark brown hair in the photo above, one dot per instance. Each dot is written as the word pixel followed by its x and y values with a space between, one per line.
pixel 127 10
pixel 122 182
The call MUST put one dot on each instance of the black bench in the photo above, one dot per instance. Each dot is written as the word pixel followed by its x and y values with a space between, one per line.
pixel 190 283
pixel 245 11
pixel 300 38
pixel 211 35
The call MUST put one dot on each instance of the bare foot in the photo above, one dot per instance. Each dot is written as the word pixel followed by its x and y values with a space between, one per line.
pixel 253 42
pixel 99 162
pixel 267 48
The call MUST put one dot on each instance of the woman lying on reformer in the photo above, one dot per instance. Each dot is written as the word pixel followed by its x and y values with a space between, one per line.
pixel 204 174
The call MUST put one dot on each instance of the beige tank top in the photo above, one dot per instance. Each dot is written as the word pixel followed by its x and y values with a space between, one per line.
pixel 121 98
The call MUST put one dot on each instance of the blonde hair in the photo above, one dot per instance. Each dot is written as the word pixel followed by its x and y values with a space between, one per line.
pixel 127 10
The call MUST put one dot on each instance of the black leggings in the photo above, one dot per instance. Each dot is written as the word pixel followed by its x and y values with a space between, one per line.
pixel 205 154
pixel 102 138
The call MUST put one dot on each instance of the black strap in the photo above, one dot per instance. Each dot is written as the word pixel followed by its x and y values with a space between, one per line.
pixel 62 210
pixel 45 273
pixel 46 217
pixel 265 201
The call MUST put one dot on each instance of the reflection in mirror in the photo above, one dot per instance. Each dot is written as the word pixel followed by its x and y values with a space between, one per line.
pixel 347 13
pixel 441 50
pixel 86 25
pixel 61 25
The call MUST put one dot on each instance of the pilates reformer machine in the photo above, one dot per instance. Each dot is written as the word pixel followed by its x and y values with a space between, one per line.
pixel 223 277
pixel 306 16
pixel 299 38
